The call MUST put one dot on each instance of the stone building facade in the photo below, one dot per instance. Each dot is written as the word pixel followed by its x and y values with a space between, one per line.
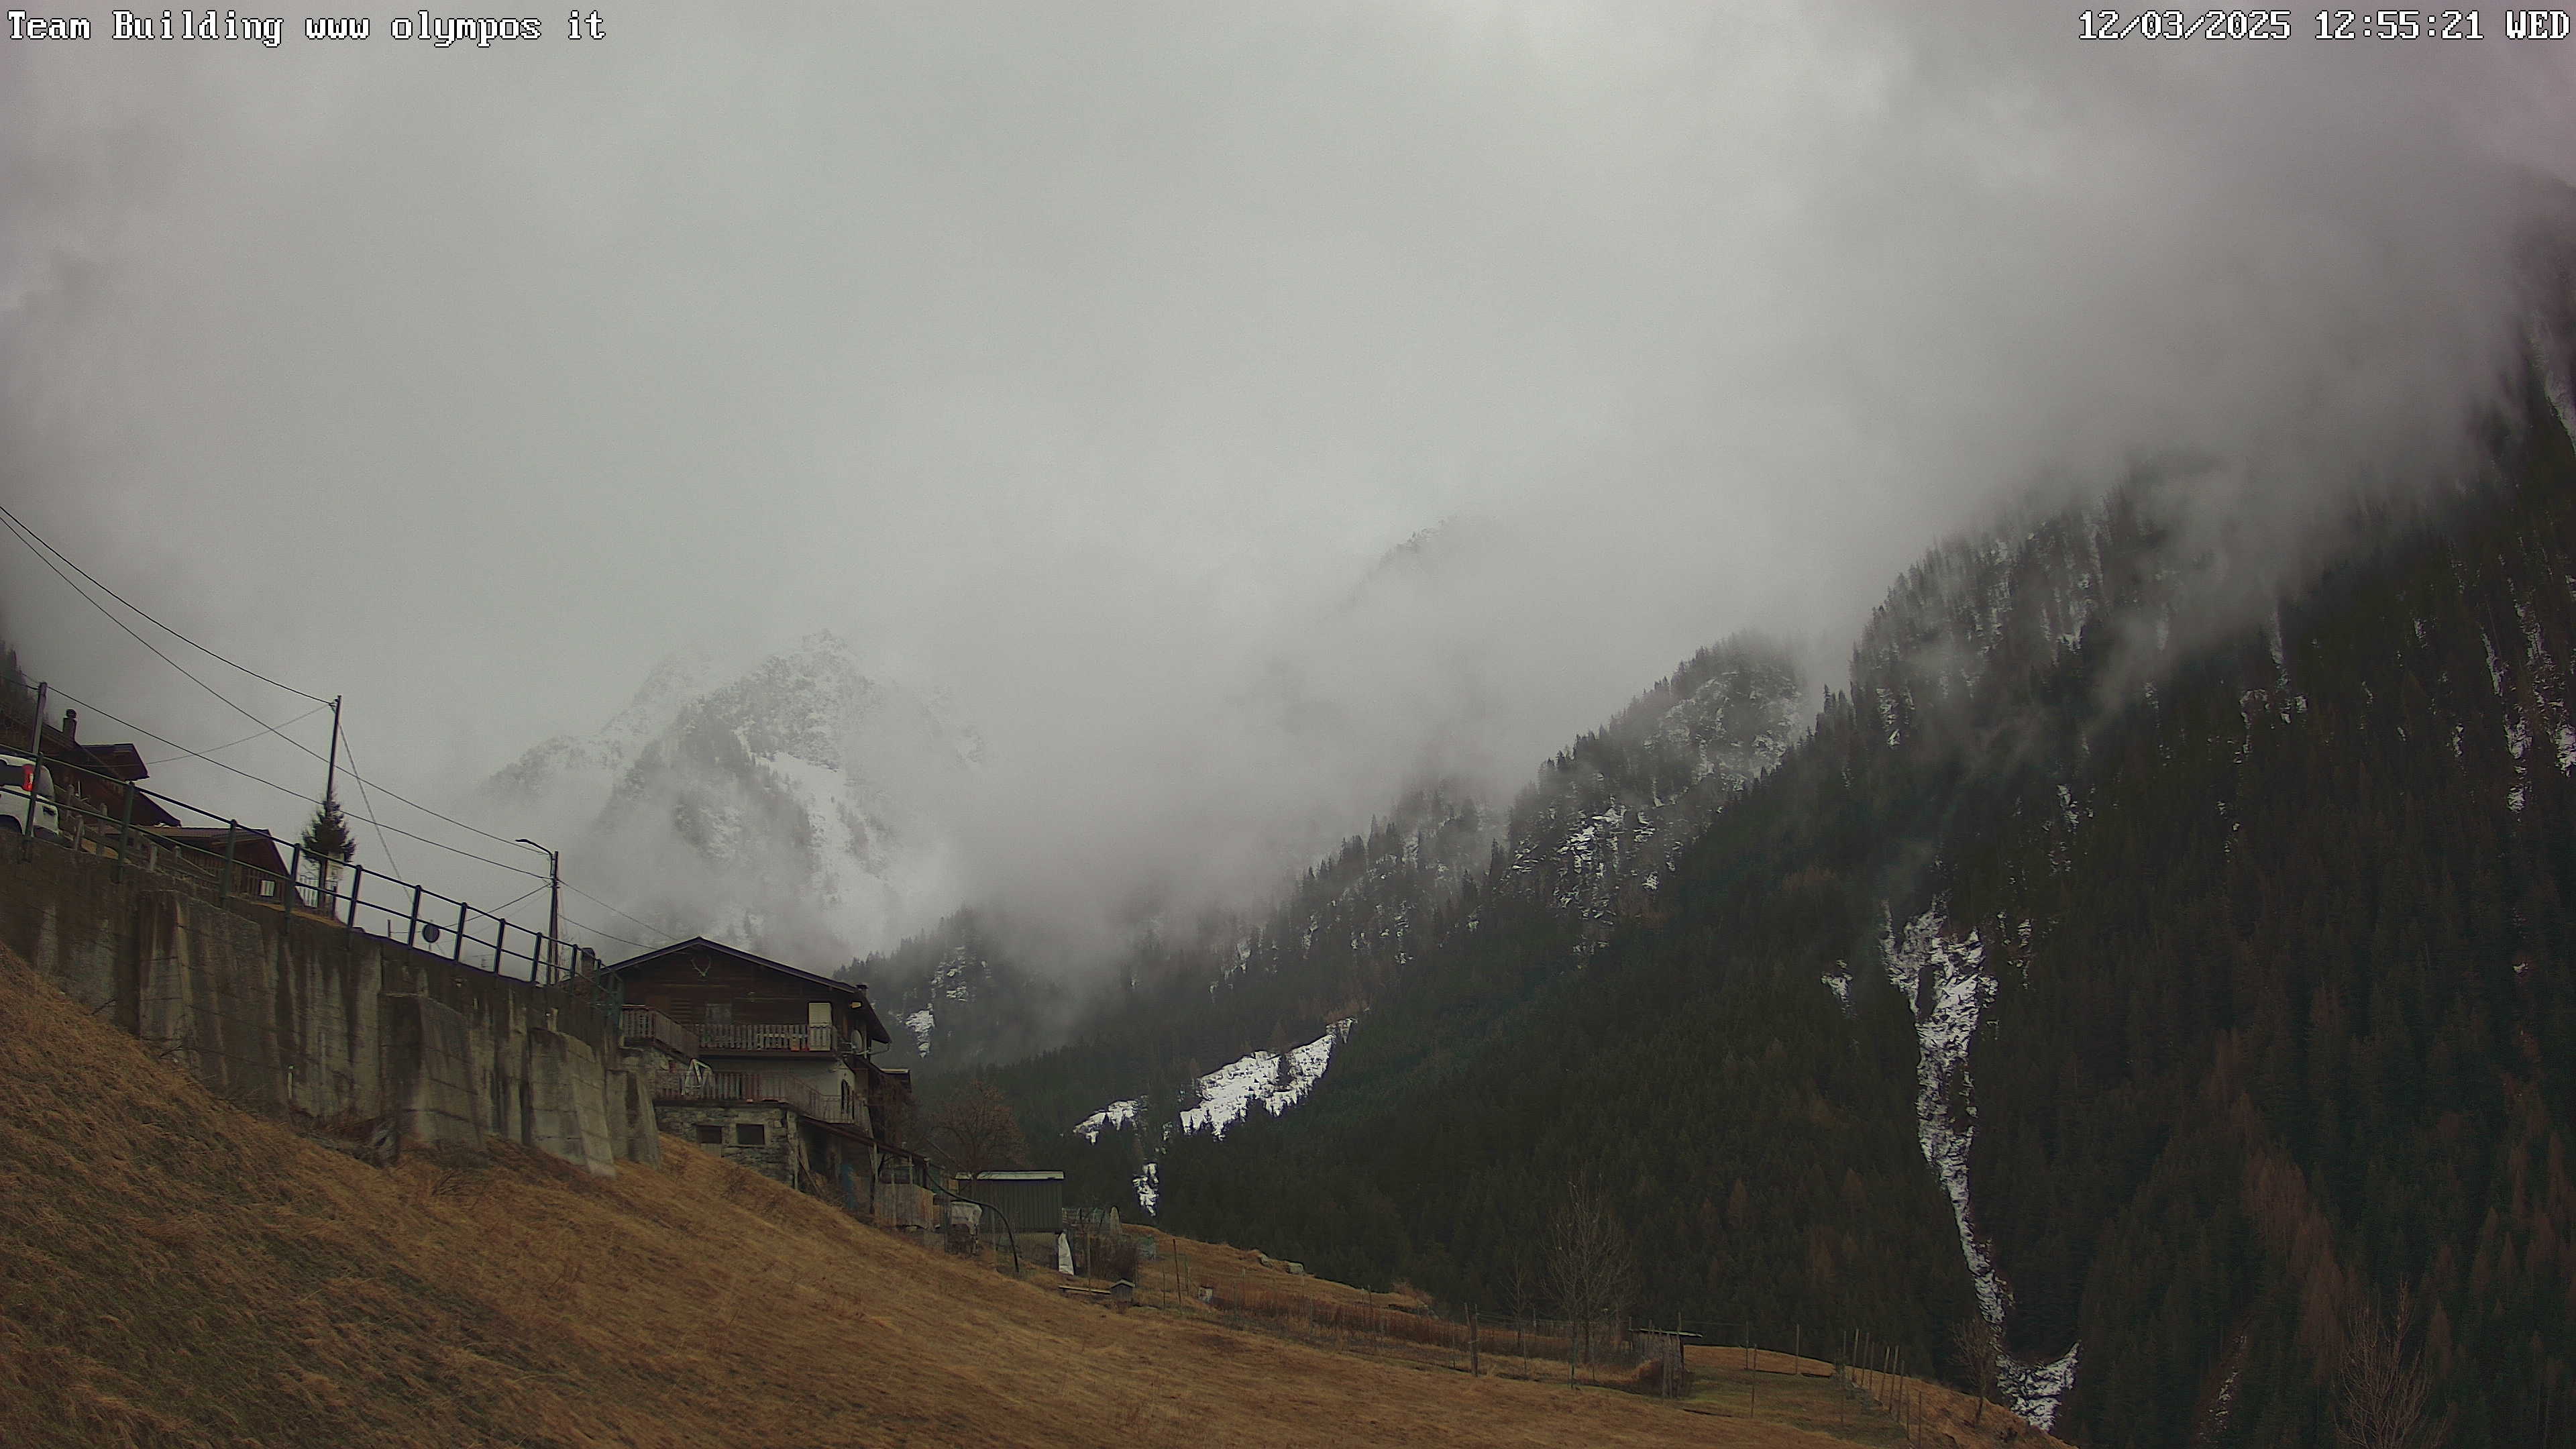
pixel 773 1067
pixel 761 1136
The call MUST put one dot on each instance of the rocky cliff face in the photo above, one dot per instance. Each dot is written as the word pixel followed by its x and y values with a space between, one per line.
pixel 792 807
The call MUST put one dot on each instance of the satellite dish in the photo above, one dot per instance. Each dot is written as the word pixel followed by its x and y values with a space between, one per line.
pixel 429 933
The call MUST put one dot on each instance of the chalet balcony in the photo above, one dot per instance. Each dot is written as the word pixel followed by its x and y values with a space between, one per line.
pixel 746 1087
pixel 715 1038
pixel 642 1027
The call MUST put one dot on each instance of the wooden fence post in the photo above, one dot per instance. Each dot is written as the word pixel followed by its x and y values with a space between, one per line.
pixel 1475 1364
pixel 286 905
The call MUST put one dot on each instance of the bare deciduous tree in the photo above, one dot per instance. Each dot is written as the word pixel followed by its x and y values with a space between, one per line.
pixel 975 1131
pixel 1974 1341
pixel 2381 1390
pixel 1591 1271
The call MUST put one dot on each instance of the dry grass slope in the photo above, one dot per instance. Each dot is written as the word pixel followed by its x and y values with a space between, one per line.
pixel 175 1272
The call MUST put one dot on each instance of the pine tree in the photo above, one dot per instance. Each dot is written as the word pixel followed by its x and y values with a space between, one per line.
pixel 330 844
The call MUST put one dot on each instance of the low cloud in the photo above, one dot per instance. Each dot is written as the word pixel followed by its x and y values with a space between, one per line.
pixel 1087 364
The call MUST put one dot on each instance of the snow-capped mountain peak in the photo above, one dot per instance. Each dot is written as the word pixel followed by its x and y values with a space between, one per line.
pixel 790 806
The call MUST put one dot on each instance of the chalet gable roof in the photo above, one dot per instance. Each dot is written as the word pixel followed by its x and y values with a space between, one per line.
pixel 854 991
pixel 252 849
pixel 119 761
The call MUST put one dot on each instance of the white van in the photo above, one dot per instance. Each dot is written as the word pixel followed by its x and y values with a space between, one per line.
pixel 24 783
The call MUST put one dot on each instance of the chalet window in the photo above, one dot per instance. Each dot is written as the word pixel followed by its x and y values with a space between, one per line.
pixel 750 1134
pixel 711 1133
pixel 716 1014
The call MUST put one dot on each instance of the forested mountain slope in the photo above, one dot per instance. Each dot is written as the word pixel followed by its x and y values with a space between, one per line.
pixel 2217 958
pixel 1583 844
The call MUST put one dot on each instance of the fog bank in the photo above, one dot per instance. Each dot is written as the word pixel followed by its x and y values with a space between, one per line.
pixel 1089 364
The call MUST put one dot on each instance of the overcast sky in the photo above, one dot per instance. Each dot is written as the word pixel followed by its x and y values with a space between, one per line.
pixel 1085 359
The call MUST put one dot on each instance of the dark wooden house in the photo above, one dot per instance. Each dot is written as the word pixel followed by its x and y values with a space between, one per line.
pixel 773 1066
pixel 258 867
pixel 95 784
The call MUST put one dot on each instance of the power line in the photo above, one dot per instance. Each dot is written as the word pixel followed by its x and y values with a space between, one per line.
pixel 603 905
pixel 102 712
pixel 27 536
pixel 37 545
pixel 48 548
pixel 289 790
pixel 381 827
pixel 423 809
pixel 246 739
pixel 352 747
pixel 609 935
pixel 48 555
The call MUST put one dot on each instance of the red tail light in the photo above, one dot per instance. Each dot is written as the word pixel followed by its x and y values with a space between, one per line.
pixel 29 784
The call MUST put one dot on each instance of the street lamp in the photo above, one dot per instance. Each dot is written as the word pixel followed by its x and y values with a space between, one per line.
pixel 554 907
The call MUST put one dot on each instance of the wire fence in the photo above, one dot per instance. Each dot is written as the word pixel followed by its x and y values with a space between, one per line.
pixel 1796 1373
pixel 50 799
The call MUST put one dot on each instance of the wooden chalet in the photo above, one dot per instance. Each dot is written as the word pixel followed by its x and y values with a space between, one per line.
pixel 773 1066
pixel 95 780
pixel 258 868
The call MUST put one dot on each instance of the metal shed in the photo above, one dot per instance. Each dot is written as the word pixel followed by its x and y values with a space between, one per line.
pixel 1032 1201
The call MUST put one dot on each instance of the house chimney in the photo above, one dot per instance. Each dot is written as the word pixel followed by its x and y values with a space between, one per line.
pixel 71 726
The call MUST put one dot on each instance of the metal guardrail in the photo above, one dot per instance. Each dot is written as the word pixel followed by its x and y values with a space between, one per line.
pixel 221 852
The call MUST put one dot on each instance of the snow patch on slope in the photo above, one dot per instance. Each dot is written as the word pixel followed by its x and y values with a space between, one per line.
pixel 1223 1096
pixel 1839 982
pixel 1925 960
pixel 1227 1093
pixel 1115 1115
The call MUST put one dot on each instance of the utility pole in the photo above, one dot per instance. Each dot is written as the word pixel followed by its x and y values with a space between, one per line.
pixel 554 908
pixel 554 935
pixel 331 765
pixel 36 773
pixel 330 785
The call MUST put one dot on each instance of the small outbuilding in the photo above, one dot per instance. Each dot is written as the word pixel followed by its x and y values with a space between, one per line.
pixel 1030 1204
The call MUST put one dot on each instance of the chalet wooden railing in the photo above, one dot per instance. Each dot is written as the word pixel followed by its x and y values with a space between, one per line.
pixel 638 1025
pixel 715 1038
pixel 680 1085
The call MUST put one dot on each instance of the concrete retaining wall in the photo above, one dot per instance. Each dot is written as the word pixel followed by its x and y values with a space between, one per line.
pixel 308 1019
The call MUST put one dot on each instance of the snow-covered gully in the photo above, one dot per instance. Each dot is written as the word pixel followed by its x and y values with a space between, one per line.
pixel 1945 1116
